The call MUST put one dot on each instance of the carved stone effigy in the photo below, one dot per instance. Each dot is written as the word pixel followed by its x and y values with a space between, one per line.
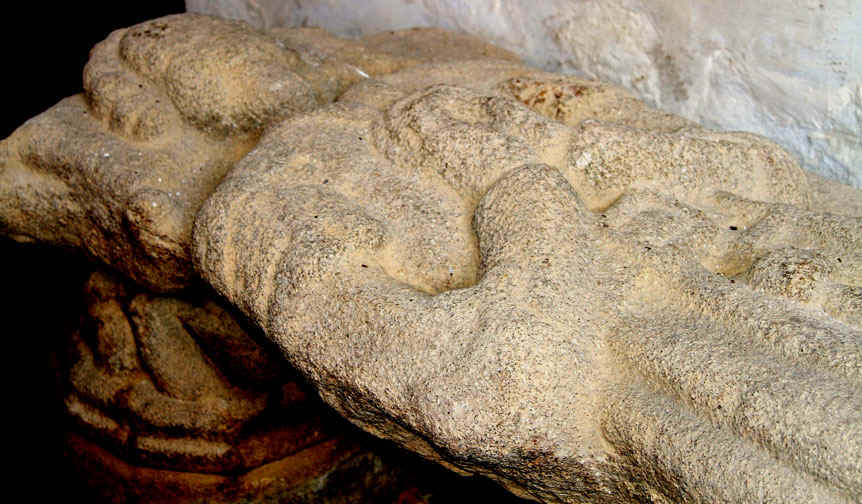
pixel 170 399
pixel 169 105
pixel 619 307
pixel 523 275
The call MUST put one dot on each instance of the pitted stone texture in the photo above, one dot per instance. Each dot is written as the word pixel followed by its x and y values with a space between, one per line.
pixel 618 142
pixel 169 105
pixel 448 270
pixel 567 99
pixel 178 384
pixel 67 180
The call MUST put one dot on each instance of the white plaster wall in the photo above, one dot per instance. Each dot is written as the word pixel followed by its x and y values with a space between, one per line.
pixel 788 69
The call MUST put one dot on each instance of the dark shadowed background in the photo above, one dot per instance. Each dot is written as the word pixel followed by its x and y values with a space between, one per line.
pixel 45 46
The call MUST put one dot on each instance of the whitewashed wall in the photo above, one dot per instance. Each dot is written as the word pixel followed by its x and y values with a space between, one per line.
pixel 787 69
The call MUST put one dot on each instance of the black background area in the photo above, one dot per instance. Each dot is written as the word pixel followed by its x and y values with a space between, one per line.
pixel 45 46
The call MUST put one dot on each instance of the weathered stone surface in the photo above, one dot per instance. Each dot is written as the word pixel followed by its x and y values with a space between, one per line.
pixel 169 105
pixel 616 308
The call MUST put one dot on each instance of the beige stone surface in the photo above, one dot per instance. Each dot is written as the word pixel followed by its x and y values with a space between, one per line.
pixel 597 304
pixel 169 105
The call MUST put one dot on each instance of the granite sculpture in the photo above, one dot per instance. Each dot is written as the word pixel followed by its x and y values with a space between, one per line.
pixel 169 105
pixel 523 275
pixel 597 312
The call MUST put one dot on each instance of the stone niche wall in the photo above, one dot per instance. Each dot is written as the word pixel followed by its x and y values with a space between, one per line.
pixel 787 69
